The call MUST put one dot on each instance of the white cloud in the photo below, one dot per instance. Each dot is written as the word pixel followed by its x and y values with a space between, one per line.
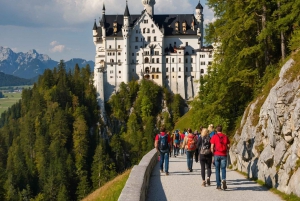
pixel 53 43
pixel 57 48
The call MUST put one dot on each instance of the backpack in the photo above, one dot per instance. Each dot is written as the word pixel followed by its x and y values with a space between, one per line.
pixel 205 146
pixel 177 138
pixel 212 134
pixel 222 146
pixel 191 143
pixel 163 143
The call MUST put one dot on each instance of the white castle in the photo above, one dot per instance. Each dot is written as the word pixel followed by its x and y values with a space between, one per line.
pixel 167 49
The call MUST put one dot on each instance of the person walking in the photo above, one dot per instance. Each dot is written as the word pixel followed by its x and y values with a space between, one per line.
pixel 176 145
pixel 182 136
pixel 190 143
pixel 205 156
pixel 219 146
pixel 162 144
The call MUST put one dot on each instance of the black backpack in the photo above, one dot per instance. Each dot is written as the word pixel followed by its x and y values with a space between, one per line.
pixel 163 143
pixel 205 145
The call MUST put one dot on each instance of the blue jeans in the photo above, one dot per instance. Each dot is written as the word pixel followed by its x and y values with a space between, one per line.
pixel 189 157
pixel 176 150
pixel 220 164
pixel 164 157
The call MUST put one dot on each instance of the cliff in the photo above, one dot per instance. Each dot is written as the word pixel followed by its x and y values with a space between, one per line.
pixel 267 144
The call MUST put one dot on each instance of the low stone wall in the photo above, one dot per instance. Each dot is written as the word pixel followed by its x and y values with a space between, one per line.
pixel 137 184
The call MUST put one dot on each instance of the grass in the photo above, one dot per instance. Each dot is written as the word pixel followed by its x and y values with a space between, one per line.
pixel 185 121
pixel 284 196
pixel 111 190
pixel 9 100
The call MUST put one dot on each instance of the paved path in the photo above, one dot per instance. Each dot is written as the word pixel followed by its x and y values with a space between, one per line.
pixel 182 185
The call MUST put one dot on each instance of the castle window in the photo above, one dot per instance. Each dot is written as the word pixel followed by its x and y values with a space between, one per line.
pixel 109 47
pixel 132 54
pixel 153 31
pixel 167 69
pixel 186 69
pixel 111 61
pixel 154 39
pixel 153 70
pixel 179 60
pixel 186 60
pixel 119 46
pixel 149 39
pixel 184 27
pixel 156 52
pixel 152 77
pixel 202 62
pixel 191 69
pixel 137 54
pixel 209 63
pixel 157 76
pixel 179 76
pixel 148 30
pixel 157 60
pixel 111 72
pixel 144 30
pixel 172 69
pixel 193 51
pixel 152 25
pixel 176 26
pixel 153 60
pixel 210 56
pixel 119 53
pixel 145 21
pixel 136 39
pixel 173 60
pixel 179 70
pixel 167 60
pixel 187 44
pixel 136 47
pixel 119 61
pixel 202 71
pixel 113 54
pixel 119 72
pixel 157 70
pixel 111 76
pixel 146 60
pixel 191 60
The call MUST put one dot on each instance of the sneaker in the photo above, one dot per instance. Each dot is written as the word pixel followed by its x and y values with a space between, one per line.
pixel 191 170
pixel 218 187
pixel 161 171
pixel 208 181
pixel 167 173
pixel 204 183
pixel 224 185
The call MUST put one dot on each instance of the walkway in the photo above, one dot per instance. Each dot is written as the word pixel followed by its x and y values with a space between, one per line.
pixel 182 185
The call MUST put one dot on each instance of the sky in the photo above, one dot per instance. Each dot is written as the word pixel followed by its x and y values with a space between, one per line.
pixel 62 29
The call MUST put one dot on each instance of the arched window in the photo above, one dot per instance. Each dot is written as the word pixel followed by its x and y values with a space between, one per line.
pixel 157 70
pixel 148 30
pixel 153 31
pixel 202 71
pixel 157 76
pixel 153 60
pixel 147 70
pixel 144 30
pixel 153 70
pixel 173 60
pixel 146 60
pixel 157 60
pixel 179 69
pixel 172 69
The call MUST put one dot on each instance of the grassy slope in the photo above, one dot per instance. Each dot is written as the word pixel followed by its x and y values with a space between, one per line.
pixel 111 190
pixel 11 99
pixel 185 121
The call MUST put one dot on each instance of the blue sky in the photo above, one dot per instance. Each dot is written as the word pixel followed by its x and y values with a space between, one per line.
pixel 62 29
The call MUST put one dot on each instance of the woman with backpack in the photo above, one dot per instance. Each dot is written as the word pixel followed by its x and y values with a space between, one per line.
pixel 205 155
pixel 190 142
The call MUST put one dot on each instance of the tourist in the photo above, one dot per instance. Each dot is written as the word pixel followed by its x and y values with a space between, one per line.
pixel 190 143
pixel 162 145
pixel 176 141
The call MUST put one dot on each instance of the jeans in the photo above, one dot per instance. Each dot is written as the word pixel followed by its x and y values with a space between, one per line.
pixel 189 157
pixel 205 160
pixel 220 164
pixel 176 149
pixel 164 157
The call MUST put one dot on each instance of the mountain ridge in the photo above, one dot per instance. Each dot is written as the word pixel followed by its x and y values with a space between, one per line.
pixel 31 64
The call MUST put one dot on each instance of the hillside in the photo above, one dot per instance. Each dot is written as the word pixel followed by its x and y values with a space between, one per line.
pixel 10 80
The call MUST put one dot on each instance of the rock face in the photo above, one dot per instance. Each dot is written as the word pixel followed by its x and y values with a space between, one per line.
pixel 269 148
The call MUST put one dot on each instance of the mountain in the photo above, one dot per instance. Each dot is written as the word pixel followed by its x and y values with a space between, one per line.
pixel 10 80
pixel 31 64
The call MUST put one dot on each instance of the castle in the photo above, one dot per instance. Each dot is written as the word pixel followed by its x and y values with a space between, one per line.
pixel 167 49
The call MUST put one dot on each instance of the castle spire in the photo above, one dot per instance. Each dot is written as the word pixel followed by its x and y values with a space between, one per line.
pixel 126 13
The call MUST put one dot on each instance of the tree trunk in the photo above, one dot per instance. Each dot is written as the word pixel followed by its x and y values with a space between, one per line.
pixel 264 25
pixel 282 38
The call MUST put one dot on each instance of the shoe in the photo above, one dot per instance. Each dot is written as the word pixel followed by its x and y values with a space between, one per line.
pixel 224 184
pixel 208 181
pixel 161 171
pixel 219 188
pixel 204 183
pixel 167 173
pixel 191 170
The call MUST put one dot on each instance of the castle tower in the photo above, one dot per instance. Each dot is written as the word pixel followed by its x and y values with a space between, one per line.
pixel 126 32
pixel 199 18
pixel 149 6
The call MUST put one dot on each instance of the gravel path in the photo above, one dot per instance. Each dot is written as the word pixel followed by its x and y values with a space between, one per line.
pixel 183 185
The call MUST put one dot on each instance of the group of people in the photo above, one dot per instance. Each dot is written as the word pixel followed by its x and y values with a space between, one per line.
pixel 209 146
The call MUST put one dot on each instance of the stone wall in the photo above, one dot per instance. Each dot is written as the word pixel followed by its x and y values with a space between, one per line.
pixel 270 148
pixel 137 184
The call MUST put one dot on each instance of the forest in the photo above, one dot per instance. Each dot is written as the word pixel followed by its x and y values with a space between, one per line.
pixel 54 145
pixel 255 37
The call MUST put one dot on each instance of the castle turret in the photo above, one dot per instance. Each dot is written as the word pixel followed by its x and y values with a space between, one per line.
pixel 126 31
pixel 95 33
pixel 149 6
pixel 199 21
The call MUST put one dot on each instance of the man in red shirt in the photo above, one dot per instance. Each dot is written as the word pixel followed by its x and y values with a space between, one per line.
pixel 219 146
pixel 163 144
